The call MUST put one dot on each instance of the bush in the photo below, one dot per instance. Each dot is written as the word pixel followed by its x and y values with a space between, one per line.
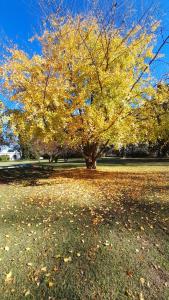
pixel 4 158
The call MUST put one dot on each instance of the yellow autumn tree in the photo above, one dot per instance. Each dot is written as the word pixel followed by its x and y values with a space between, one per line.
pixel 87 86
pixel 158 110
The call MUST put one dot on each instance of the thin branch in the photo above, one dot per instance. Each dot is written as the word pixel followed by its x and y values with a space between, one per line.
pixel 150 62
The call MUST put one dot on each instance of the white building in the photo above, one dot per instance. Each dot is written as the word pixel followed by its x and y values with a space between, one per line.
pixel 13 154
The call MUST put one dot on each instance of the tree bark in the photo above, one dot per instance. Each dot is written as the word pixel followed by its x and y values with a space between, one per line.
pixel 90 154
pixel 53 158
pixel 90 163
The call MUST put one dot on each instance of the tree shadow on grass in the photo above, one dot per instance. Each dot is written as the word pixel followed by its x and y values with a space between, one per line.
pixel 83 174
pixel 30 174
pixel 33 172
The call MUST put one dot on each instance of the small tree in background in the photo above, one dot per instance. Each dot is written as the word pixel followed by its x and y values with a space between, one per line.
pixel 51 149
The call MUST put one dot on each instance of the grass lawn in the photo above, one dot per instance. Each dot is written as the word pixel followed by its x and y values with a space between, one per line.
pixel 68 233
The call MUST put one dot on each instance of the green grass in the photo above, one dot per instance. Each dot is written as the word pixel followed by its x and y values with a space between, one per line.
pixel 76 234
pixel 106 164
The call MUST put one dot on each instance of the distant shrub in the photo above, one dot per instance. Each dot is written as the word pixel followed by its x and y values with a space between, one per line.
pixel 138 153
pixel 4 158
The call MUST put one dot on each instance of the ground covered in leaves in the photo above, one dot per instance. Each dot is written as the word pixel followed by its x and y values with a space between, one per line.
pixel 78 234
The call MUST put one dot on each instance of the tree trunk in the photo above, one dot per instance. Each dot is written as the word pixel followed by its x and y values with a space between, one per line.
pixel 90 163
pixel 90 154
pixel 53 158
pixel 159 148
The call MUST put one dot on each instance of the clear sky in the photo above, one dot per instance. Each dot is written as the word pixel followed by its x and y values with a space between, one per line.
pixel 20 20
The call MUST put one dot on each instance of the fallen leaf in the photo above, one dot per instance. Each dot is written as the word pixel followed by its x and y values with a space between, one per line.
pixel 141 297
pixel 142 280
pixel 27 293
pixel 129 273
pixel 8 277
pixel 29 264
pixel 67 259
pixel 50 284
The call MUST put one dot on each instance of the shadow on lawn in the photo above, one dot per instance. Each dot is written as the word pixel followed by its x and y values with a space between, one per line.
pixel 30 174
pixel 74 169
pixel 82 174
pixel 34 173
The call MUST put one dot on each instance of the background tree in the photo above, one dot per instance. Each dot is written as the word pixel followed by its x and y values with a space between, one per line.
pixel 50 149
pixel 159 112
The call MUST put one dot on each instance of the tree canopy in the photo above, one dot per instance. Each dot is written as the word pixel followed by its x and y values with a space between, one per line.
pixel 91 86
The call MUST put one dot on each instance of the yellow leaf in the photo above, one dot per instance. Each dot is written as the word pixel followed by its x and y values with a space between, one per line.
pixel 50 284
pixel 141 297
pixel 27 293
pixel 8 277
pixel 142 280
pixel 67 259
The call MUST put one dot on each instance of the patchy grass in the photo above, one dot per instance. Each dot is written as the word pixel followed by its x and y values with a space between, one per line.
pixel 77 234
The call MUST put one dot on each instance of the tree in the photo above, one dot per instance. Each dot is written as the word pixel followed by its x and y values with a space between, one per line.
pixel 52 149
pixel 89 87
pixel 159 112
pixel 5 133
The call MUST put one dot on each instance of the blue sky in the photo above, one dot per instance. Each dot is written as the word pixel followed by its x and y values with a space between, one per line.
pixel 20 20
